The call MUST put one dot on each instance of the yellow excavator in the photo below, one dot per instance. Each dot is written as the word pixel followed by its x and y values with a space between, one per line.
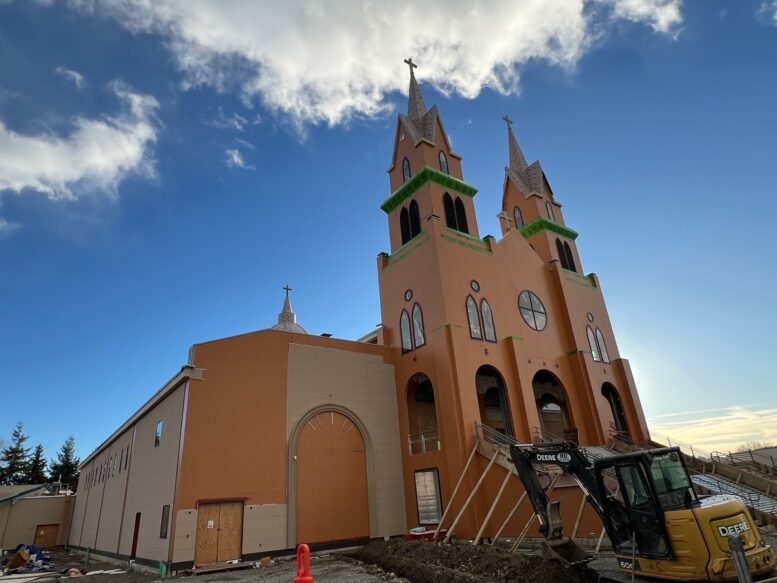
pixel 657 524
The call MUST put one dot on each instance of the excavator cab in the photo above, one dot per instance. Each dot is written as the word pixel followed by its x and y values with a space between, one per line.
pixel 648 483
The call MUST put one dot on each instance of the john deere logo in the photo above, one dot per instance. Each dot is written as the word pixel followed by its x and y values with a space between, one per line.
pixel 738 528
pixel 564 457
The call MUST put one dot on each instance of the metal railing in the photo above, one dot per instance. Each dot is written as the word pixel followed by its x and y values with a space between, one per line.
pixel 424 442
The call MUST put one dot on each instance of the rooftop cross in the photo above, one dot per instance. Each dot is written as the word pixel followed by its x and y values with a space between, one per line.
pixel 508 121
pixel 288 289
pixel 411 64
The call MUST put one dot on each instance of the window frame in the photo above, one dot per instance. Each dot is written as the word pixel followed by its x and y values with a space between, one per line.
pixel 487 304
pixel 417 309
pixel 518 217
pixel 593 344
pixel 603 352
pixel 438 491
pixel 461 216
pixel 407 173
pixel 549 210
pixel 404 225
pixel 570 257
pixel 562 256
pixel 472 301
pixel 164 524
pixel 160 427
pixel 533 310
pixel 443 160
pixel 450 211
pixel 405 317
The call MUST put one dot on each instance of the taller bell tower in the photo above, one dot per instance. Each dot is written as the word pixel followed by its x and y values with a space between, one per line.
pixel 506 335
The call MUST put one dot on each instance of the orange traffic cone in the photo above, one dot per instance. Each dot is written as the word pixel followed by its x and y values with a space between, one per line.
pixel 303 565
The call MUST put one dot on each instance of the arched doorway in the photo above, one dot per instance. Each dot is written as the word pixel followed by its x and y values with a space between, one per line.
pixel 616 406
pixel 492 400
pixel 555 420
pixel 422 415
pixel 331 480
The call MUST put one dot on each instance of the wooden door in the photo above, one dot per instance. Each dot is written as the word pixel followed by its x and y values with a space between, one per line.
pixel 230 530
pixel 331 481
pixel 46 535
pixel 219 532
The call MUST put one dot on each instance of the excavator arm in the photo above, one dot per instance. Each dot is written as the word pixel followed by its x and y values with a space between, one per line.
pixel 567 457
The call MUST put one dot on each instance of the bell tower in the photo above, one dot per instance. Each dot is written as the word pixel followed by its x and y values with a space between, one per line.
pixel 424 168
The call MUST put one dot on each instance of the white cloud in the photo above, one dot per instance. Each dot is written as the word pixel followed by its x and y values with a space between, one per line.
pixel 95 157
pixel 6 227
pixel 725 431
pixel 235 159
pixel 768 11
pixel 663 15
pixel 317 61
pixel 71 75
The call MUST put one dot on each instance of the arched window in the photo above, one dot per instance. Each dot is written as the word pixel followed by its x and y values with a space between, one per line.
pixel 616 406
pixel 443 163
pixel 570 257
pixel 415 220
pixel 404 330
pixel 602 346
pixel 422 415
pixel 492 400
pixel 488 321
pixel 549 209
pixel 474 320
pixel 592 344
pixel 450 213
pixel 518 218
pixel 532 310
pixel 404 225
pixel 562 255
pixel 405 170
pixel 418 326
pixel 461 216
pixel 555 419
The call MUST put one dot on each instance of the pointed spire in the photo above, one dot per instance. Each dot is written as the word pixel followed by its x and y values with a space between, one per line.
pixel 517 159
pixel 416 108
pixel 287 319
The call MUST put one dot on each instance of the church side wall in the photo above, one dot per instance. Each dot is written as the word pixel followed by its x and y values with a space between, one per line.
pixel 131 475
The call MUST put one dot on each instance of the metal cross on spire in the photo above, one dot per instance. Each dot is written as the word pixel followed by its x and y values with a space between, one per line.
pixel 508 121
pixel 288 289
pixel 409 62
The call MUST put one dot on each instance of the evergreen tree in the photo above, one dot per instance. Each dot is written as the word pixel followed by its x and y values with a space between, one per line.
pixel 37 471
pixel 15 459
pixel 65 468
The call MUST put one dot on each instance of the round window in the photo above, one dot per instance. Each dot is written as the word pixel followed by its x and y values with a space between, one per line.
pixel 532 310
pixel 590 317
pixel 408 295
pixel 474 285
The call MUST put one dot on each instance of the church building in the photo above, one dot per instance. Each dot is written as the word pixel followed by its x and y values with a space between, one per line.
pixel 277 437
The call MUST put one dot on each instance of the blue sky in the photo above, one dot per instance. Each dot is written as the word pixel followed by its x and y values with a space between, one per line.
pixel 165 170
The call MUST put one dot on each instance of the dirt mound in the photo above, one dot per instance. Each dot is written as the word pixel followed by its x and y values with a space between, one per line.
pixel 424 562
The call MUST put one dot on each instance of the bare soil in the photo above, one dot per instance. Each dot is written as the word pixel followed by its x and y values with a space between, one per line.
pixel 424 562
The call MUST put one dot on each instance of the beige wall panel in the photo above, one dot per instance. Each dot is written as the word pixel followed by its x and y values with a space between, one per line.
pixel 264 528
pixel 94 497
pixel 27 513
pixel 185 535
pixel 363 384
pixel 111 505
pixel 151 482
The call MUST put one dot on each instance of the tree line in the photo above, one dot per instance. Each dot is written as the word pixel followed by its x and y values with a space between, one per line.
pixel 20 464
